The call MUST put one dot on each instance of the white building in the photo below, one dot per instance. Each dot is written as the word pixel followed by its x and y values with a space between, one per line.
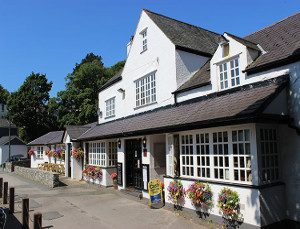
pixel 3 110
pixel 17 146
pixel 194 105
pixel 50 141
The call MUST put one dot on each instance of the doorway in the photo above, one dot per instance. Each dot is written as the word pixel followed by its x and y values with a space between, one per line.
pixel 133 155
pixel 69 147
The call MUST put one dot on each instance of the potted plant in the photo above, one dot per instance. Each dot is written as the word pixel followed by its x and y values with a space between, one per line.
pixel 229 205
pixel 77 153
pixel 114 177
pixel 176 194
pixel 31 153
pixel 200 195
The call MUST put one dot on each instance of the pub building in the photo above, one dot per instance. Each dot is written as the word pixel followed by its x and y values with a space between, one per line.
pixel 194 105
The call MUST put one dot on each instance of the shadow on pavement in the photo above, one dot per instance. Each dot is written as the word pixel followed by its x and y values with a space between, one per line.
pixel 12 221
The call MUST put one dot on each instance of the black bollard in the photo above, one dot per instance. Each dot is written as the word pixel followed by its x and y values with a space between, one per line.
pixel 5 192
pixel 11 200
pixel 37 221
pixel 25 213
pixel 1 187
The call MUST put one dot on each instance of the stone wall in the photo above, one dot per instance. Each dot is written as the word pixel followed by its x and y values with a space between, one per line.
pixel 9 166
pixel 44 177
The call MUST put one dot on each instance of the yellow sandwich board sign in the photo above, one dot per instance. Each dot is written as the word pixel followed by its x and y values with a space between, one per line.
pixel 155 193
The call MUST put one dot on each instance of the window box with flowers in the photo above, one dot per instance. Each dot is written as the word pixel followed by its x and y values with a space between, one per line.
pixel 92 173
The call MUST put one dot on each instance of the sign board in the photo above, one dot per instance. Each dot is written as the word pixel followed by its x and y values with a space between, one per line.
pixel 155 193
pixel 145 176
pixel 119 173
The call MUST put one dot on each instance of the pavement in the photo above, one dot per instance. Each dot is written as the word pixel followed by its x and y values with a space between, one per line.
pixel 80 205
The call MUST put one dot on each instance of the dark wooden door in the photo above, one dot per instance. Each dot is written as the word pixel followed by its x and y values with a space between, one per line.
pixel 133 152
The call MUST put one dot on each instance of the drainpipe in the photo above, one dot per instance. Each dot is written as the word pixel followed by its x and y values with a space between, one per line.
pixel 9 137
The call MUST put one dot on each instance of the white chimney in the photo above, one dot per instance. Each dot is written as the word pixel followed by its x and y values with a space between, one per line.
pixel 129 45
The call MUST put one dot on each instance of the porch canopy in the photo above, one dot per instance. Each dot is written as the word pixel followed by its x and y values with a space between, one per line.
pixel 238 105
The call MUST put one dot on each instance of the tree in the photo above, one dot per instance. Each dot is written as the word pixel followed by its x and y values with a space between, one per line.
pixel 77 104
pixel 28 107
pixel 4 94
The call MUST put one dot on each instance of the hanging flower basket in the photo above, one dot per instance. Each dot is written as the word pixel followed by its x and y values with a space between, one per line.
pixel 49 153
pixel 176 194
pixel 229 204
pixel 57 153
pixel 31 153
pixel 62 154
pixel 77 153
pixel 201 196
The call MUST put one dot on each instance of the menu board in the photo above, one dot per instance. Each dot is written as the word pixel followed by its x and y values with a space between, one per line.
pixel 120 173
pixel 145 176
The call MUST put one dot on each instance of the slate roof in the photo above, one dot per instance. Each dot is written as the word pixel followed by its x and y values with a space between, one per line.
pixel 245 42
pixel 199 79
pixel 4 123
pixel 117 77
pixel 187 36
pixel 75 131
pixel 5 139
pixel 281 41
pixel 237 104
pixel 54 137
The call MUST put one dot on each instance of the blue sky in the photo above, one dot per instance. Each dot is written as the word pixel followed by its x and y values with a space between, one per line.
pixel 50 36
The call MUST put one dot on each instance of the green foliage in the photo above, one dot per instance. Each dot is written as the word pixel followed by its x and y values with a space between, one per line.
pixel 28 107
pixel 77 104
pixel 4 94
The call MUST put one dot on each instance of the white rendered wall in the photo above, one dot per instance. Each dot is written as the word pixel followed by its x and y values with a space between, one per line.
pixel 14 150
pixel 186 65
pixel 76 165
pixel 159 57
pixel 36 161
pixel 290 170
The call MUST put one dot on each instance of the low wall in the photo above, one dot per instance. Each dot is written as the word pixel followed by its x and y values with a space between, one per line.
pixel 9 166
pixel 44 177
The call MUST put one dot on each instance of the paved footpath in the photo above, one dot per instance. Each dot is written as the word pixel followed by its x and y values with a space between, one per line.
pixel 80 205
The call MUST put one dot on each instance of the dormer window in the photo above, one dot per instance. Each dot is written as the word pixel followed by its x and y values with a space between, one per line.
pixel 229 74
pixel 144 39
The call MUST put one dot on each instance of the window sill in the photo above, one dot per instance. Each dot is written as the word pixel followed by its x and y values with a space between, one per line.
pixel 145 105
pixel 229 183
pixel 108 117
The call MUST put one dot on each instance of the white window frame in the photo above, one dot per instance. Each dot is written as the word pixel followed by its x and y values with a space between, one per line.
pixel 110 107
pixel 144 34
pixel 229 74
pixel 211 155
pixel 97 153
pixel 269 158
pixel 112 153
pixel 39 152
pixel 145 90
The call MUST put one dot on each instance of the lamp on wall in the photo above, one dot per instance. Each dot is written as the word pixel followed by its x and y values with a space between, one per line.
pixel 119 143
pixel 144 141
pixel 99 113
